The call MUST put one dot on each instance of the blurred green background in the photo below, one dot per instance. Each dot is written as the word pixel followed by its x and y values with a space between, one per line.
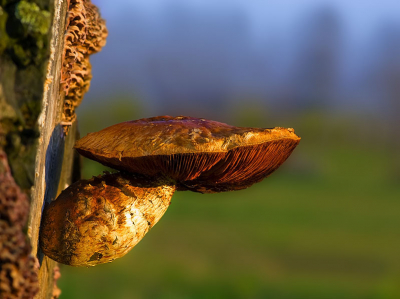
pixel 326 224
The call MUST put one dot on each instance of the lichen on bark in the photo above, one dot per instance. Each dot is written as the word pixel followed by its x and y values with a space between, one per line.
pixel 24 52
pixel 32 18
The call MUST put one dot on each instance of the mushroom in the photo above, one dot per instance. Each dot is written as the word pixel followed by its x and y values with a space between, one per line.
pixel 201 155
pixel 98 220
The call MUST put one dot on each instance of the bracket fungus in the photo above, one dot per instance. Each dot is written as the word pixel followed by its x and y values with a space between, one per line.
pixel 98 220
pixel 85 35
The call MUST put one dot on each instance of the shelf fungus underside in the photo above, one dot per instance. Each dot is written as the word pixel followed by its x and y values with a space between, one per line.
pixel 201 155
pixel 98 220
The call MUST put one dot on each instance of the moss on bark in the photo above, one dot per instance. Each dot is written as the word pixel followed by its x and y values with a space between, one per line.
pixel 24 53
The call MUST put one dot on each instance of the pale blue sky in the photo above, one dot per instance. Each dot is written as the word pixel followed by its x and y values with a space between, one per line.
pixel 362 14
pixel 216 49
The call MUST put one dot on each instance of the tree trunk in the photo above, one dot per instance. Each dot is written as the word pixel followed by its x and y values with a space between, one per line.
pixel 44 73
pixel 53 166
pixel 31 106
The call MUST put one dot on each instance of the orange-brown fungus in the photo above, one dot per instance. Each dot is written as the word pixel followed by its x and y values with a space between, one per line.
pixel 85 34
pixel 99 220
pixel 201 155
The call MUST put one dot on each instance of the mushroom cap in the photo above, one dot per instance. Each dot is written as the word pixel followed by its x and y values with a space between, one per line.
pixel 98 220
pixel 201 155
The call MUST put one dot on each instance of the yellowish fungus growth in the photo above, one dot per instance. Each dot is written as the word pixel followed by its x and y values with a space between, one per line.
pixel 99 220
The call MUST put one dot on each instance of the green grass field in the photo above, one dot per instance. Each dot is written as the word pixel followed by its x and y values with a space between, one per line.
pixel 325 225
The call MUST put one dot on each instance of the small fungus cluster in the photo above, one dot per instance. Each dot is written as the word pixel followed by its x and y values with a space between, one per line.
pixel 98 220
pixel 18 275
pixel 86 34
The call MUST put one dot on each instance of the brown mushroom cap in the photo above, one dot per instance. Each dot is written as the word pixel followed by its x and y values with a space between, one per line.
pixel 201 155
pixel 98 220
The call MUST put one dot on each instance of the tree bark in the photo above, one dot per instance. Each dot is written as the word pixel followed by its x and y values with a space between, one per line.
pixel 54 151
pixel 40 156
pixel 44 72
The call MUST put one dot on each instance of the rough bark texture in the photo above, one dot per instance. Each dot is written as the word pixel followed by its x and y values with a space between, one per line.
pixel 33 127
pixel 18 268
pixel 24 52
pixel 39 155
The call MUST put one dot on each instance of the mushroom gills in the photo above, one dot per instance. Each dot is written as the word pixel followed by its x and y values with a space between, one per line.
pixel 201 155
pixel 242 167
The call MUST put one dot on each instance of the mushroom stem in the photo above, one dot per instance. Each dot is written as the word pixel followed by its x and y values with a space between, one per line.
pixel 98 220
